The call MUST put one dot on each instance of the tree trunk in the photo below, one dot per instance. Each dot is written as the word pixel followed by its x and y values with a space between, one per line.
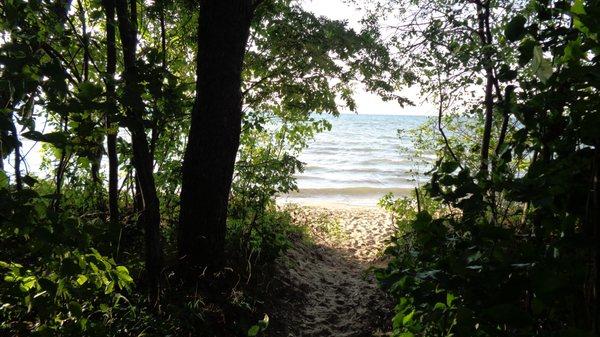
pixel 223 28
pixel 594 223
pixel 15 136
pixel 483 14
pixel 111 137
pixel 505 103
pixel 61 169
pixel 2 136
pixel 487 128
pixel 142 161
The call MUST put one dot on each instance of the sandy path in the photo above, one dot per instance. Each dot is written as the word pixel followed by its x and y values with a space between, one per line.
pixel 330 291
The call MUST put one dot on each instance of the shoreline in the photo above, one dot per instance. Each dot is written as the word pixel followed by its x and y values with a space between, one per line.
pixel 328 204
pixel 325 199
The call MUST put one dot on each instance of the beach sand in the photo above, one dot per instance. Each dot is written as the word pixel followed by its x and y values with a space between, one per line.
pixel 329 288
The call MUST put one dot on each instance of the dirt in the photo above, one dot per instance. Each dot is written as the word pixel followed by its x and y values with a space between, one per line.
pixel 326 283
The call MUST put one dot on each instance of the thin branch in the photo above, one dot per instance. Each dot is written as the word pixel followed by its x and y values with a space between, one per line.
pixel 441 129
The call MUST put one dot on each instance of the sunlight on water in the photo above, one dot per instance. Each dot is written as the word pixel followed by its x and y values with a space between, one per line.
pixel 360 160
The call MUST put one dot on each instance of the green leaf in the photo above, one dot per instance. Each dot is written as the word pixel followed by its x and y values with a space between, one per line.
pixel 253 331
pixel 578 8
pixel 104 307
pixel 573 51
pixel 81 280
pixel 57 139
pixel 109 287
pixel 75 309
pixel 123 274
pixel 439 306
pixel 526 51
pixel 397 320
pixel 89 91
pixel 515 29
pixel 3 179
pixel 27 283
pixel 406 320
pixel 29 180
pixel 505 74
pixel 542 68
pixel 450 299
pixel 449 166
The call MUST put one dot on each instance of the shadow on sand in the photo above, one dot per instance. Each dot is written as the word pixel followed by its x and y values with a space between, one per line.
pixel 324 288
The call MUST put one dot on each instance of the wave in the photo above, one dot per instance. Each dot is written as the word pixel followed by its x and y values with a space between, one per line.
pixel 354 191
pixel 400 169
pixel 387 150
pixel 327 182
pixel 362 158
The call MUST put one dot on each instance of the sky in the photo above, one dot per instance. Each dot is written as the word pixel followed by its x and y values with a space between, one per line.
pixel 368 103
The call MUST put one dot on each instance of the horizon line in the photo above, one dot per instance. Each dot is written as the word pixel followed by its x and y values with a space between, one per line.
pixel 388 114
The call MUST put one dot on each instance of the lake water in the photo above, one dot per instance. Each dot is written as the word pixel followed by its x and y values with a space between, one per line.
pixel 359 160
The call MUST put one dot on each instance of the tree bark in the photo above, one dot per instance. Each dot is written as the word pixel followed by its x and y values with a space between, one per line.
pixel 61 169
pixel 213 141
pixel 142 161
pixel 2 136
pixel 504 102
pixel 163 37
pixel 487 128
pixel 594 223
pixel 483 13
pixel 111 137
pixel 97 151
pixel 15 136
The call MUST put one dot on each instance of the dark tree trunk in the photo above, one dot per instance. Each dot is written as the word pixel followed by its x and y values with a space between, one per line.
pixel 483 13
pixel 61 169
pixel 111 136
pixel 593 231
pixel 61 8
pixel 85 42
pixel 2 137
pixel 487 127
pixel 97 151
pixel 138 203
pixel 157 117
pixel 223 28
pixel 504 102
pixel 163 37
pixel 15 135
pixel 142 161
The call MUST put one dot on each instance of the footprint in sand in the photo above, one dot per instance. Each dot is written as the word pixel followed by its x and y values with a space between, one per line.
pixel 338 300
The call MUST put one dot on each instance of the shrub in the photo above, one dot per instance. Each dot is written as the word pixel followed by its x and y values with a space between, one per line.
pixel 53 282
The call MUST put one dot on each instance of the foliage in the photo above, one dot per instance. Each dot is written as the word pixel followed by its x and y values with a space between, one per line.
pixel 515 254
pixel 405 208
pixel 258 234
pixel 262 325
pixel 54 283
pixel 62 106
pixel 297 67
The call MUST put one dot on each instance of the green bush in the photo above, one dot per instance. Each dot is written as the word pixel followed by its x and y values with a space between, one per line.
pixel 513 251
pixel 53 282
pixel 259 234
